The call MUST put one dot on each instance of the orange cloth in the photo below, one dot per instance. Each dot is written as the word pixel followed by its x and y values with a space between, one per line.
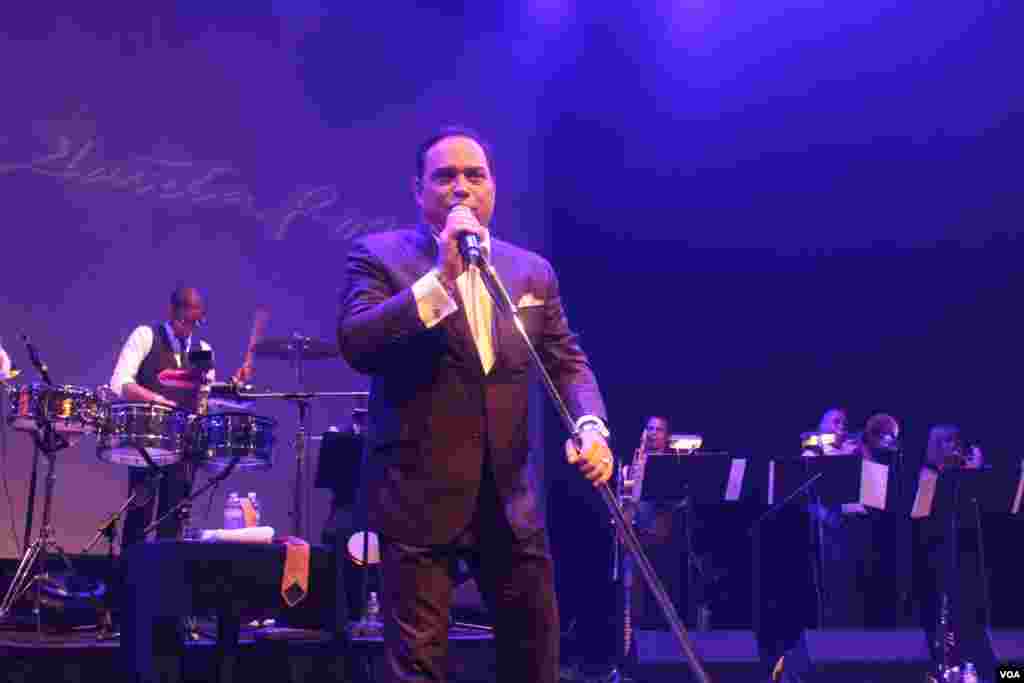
pixel 295 580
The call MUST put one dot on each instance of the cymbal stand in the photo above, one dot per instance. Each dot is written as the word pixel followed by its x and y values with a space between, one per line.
pixel 300 496
pixel 48 442
pixel 504 305
pixel 300 493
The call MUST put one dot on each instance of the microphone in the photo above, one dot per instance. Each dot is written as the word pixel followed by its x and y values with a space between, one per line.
pixel 469 244
pixel 36 363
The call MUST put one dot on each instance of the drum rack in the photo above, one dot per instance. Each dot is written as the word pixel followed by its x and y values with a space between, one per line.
pixel 48 442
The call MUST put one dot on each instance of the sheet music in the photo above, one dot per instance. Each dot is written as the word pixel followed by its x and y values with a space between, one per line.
pixel 925 493
pixel 874 483
pixel 735 483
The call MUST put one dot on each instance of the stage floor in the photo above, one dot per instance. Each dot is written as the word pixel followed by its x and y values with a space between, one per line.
pixel 282 655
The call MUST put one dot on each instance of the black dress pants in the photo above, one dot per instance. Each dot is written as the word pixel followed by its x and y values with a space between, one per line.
pixel 516 580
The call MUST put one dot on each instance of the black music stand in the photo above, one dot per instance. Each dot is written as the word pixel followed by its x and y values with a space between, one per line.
pixel 696 478
pixel 339 469
pixel 837 479
pixel 955 499
pixel 827 480
pixel 702 478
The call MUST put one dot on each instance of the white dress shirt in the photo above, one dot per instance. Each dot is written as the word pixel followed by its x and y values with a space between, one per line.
pixel 135 350
pixel 434 304
pixel 5 364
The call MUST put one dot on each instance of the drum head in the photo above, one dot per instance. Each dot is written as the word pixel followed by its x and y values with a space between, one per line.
pixel 364 540
pixel 222 438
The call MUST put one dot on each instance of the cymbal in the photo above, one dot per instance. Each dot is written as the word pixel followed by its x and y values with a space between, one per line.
pixel 286 348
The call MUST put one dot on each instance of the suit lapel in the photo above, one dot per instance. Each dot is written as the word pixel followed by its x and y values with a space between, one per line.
pixel 423 253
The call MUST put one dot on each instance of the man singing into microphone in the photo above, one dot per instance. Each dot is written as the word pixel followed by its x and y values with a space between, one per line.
pixel 149 350
pixel 448 449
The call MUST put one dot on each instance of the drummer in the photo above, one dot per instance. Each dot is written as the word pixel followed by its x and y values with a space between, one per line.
pixel 149 350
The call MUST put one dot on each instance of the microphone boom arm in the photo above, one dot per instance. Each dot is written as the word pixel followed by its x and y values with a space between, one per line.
pixel 503 303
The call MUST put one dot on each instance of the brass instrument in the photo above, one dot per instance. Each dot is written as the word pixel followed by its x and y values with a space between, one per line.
pixel 635 482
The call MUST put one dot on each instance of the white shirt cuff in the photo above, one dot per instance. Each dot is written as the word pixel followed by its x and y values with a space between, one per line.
pixel 433 302
pixel 602 428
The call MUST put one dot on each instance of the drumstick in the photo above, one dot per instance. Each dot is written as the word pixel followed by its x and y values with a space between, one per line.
pixel 259 325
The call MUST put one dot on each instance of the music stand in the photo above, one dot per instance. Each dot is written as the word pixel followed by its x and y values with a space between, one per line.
pixel 339 469
pixel 958 493
pixel 702 478
pixel 837 479
pixel 695 478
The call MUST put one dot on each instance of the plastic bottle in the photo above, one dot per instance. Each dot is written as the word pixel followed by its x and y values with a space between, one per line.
pixel 255 506
pixel 373 609
pixel 703 618
pixel 234 518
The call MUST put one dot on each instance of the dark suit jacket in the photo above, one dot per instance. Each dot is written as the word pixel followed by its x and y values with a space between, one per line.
pixel 433 414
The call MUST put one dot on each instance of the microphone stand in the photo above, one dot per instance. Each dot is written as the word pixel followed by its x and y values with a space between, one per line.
pixel 300 502
pixel 33 482
pixel 503 303
pixel 185 503
pixel 47 440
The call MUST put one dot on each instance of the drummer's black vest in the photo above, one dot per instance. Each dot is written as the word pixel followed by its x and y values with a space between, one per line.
pixel 161 357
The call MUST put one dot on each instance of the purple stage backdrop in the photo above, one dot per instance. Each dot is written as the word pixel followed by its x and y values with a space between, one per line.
pixel 238 155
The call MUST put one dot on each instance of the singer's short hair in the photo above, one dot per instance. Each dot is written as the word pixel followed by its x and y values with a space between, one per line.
pixel 451 132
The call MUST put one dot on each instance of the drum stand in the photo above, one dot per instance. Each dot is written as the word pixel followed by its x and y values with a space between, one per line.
pixel 300 502
pixel 48 442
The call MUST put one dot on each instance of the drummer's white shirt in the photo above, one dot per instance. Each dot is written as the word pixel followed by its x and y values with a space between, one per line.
pixel 5 363
pixel 135 350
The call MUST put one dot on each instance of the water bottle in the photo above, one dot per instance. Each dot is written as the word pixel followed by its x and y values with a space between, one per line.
pixel 969 674
pixel 703 618
pixel 373 609
pixel 255 506
pixel 234 518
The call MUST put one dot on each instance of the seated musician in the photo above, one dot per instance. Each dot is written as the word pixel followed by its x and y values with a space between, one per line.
pixel 851 573
pixel 932 571
pixel 889 602
pixel 659 527
pixel 832 436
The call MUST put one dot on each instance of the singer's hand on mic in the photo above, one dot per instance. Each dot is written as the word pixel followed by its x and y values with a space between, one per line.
pixel 460 220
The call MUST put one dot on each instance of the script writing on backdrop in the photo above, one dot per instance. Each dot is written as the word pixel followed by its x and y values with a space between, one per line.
pixel 203 184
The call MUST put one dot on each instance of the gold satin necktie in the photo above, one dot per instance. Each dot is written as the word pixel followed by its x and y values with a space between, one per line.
pixel 480 315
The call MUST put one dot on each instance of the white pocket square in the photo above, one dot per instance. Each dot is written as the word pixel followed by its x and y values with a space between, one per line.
pixel 528 299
